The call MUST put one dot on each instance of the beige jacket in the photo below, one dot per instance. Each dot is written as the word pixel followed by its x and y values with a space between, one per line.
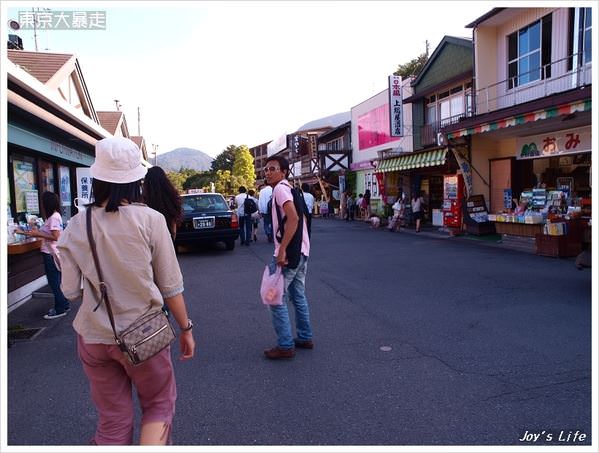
pixel 138 263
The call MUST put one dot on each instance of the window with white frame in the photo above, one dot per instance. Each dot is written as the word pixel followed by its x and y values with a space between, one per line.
pixel 587 38
pixel 336 144
pixel 450 105
pixel 529 53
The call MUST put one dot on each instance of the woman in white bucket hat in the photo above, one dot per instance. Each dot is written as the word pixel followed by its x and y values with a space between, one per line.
pixel 141 271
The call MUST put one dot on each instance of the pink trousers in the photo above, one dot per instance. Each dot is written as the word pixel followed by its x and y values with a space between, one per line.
pixel 110 377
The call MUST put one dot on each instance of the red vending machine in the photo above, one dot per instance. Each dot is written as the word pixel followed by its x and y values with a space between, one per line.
pixel 453 197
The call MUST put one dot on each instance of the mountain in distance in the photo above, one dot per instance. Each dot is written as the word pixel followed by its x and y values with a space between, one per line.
pixel 184 158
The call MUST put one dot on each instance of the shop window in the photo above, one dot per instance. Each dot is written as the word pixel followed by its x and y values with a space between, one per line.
pixel 46 176
pixel 64 176
pixel 529 53
pixel 587 46
pixel 431 113
pixel 579 36
pixel 25 185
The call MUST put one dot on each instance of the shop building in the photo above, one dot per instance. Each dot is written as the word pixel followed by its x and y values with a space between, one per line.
pixel 52 130
pixel 259 153
pixel 374 149
pixel 442 95
pixel 301 150
pixel 334 153
pixel 530 136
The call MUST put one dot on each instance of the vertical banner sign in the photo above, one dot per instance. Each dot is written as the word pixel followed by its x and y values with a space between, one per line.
pixel 466 170
pixel 296 144
pixel 380 178
pixel 312 144
pixel 342 183
pixel 395 106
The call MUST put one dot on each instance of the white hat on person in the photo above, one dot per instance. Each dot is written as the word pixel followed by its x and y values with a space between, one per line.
pixel 118 160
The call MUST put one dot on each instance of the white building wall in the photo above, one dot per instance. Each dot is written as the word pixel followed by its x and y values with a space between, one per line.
pixel 491 60
pixel 405 143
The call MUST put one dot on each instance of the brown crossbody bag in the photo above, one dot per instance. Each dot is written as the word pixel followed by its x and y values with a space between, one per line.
pixel 147 335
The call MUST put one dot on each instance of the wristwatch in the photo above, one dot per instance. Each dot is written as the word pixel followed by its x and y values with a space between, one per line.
pixel 189 326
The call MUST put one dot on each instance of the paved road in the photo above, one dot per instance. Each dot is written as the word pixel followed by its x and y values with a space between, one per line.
pixel 418 341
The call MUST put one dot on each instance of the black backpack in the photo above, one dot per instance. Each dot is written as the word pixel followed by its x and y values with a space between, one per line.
pixel 294 249
pixel 249 205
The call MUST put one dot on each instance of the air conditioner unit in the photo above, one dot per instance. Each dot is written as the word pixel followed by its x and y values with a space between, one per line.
pixel 441 140
pixel 14 42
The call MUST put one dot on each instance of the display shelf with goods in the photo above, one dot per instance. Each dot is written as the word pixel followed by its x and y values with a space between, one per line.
pixel 553 217
pixel 476 216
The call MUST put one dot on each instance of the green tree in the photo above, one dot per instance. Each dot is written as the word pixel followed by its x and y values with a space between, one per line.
pixel 199 180
pixel 222 182
pixel 414 66
pixel 224 161
pixel 177 179
pixel 243 167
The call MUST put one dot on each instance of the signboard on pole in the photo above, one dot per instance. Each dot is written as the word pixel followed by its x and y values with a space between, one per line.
pixel 84 184
pixel 276 145
pixel 395 106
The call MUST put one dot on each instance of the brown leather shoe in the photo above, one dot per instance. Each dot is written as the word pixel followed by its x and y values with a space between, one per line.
pixel 279 353
pixel 304 344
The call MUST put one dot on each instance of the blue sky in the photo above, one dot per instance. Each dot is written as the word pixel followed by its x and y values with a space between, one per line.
pixel 209 74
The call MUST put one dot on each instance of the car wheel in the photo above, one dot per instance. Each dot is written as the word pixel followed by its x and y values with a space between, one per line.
pixel 230 245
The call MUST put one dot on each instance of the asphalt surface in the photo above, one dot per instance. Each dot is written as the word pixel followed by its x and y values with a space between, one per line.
pixel 419 340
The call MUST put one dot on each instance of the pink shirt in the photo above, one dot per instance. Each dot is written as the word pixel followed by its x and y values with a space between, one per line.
pixel 53 223
pixel 280 195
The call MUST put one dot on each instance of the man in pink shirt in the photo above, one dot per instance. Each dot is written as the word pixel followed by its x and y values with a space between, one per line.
pixel 293 258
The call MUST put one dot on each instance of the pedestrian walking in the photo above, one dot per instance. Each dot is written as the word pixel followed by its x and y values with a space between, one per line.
pixel 308 198
pixel 365 205
pixel 399 208
pixel 359 206
pixel 263 198
pixel 50 233
pixel 324 208
pixel 255 215
pixel 140 272
pixel 245 219
pixel 292 248
pixel 160 195
pixel 417 209
pixel 350 207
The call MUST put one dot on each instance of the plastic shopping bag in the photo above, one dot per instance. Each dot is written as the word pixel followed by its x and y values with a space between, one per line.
pixel 272 287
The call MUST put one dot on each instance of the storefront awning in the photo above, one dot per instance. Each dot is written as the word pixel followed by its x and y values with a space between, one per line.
pixel 415 160
pixel 551 112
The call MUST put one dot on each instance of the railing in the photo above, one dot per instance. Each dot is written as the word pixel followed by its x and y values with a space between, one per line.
pixel 335 151
pixel 554 77
pixel 428 132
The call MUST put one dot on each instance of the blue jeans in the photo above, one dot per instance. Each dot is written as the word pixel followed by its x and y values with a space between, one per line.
pixel 245 229
pixel 267 221
pixel 61 303
pixel 295 290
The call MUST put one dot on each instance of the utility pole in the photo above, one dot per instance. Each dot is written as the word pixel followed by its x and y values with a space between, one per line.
pixel 138 122
pixel 34 27
pixel 155 148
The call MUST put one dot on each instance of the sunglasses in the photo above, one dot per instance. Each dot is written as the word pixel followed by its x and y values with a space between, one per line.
pixel 271 169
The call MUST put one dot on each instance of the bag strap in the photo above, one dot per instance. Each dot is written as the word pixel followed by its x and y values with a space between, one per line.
pixel 103 292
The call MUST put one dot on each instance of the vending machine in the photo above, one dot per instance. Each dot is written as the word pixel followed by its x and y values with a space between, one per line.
pixel 453 198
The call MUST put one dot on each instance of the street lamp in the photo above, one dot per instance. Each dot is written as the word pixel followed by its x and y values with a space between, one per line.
pixel 155 148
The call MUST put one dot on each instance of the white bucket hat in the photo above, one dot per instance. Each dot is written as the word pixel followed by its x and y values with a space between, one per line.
pixel 118 160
